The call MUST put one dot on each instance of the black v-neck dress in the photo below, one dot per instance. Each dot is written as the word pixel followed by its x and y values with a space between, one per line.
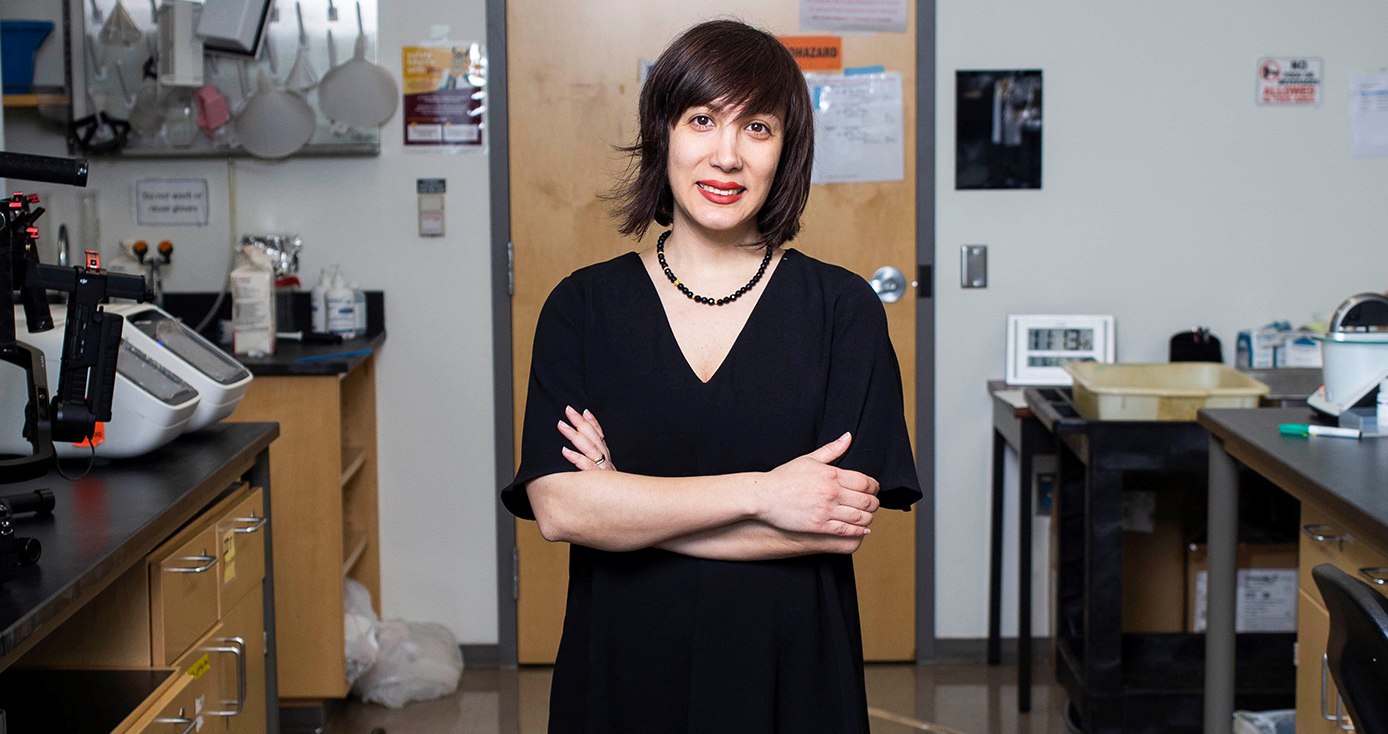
pixel 661 643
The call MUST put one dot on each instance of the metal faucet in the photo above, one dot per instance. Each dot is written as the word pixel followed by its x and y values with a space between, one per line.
pixel 155 262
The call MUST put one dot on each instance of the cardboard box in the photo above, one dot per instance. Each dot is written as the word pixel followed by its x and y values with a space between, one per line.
pixel 1153 563
pixel 1267 587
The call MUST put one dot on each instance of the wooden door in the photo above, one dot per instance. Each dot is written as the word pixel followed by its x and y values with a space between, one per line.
pixel 573 88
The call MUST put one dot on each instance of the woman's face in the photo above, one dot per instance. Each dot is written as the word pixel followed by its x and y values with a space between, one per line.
pixel 721 167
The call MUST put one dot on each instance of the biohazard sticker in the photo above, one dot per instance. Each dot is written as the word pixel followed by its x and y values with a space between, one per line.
pixel 1294 82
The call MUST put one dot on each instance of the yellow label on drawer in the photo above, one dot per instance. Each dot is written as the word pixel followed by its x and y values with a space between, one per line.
pixel 228 556
pixel 201 666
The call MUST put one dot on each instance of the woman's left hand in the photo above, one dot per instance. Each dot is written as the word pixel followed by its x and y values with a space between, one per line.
pixel 587 437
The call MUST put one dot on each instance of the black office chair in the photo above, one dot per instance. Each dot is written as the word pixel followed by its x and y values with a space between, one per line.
pixel 1358 647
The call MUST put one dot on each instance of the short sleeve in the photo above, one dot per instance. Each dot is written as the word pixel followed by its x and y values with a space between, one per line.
pixel 556 380
pixel 865 397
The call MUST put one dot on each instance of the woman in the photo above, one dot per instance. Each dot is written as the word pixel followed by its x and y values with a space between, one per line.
pixel 753 400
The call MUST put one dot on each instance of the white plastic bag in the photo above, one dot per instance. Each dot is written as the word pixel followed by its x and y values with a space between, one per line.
pixel 416 662
pixel 359 627
pixel 1282 721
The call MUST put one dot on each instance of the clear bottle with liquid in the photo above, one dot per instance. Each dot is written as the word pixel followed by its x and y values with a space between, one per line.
pixel 359 311
pixel 341 312
pixel 317 298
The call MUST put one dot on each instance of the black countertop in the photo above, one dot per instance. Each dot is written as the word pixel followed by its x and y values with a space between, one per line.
pixel 285 360
pixel 1346 477
pixel 193 307
pixel 103 524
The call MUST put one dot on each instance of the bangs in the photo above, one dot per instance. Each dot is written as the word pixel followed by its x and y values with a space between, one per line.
pixel 747 71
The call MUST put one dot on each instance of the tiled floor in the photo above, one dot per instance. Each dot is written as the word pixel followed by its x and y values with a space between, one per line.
pixel 969 698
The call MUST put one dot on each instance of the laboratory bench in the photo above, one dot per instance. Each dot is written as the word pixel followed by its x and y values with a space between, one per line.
pixel 1343 488
pixel 152 605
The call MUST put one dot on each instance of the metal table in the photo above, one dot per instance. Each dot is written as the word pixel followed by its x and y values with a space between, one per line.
pixel 1017 427
pixel 1345 477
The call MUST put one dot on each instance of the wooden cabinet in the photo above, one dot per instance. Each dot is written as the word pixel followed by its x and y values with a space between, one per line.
pixel 1325 539
pixel 323 468
pixel 196 605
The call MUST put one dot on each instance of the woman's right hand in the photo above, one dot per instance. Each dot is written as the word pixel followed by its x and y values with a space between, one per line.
pixel 810 495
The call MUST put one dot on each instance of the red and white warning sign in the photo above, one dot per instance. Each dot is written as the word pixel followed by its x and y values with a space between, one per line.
pixel 1289 81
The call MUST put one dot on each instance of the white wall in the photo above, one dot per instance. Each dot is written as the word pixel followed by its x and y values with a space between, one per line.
pixel 1170 200
pixel 434 399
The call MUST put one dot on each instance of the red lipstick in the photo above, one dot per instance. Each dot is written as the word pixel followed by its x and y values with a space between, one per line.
pixel 720 198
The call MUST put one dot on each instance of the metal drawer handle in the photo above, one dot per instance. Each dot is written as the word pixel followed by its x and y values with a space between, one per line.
pixel 1375 576
pixel 236 647
pixel 180 719
pixel 206 561
pixel 259 522
pixel 1339 717
pixel 1318 534
pixel 1325 674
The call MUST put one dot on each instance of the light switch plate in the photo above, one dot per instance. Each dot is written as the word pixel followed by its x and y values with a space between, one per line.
pixel 973 266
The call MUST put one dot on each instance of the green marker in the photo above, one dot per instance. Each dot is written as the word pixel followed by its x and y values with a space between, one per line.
pixel 1298 429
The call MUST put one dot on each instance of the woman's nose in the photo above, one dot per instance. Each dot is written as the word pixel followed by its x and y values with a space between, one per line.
pixel 726 156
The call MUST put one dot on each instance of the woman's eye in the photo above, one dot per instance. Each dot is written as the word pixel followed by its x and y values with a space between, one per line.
pixel 702 121
pixel 760 128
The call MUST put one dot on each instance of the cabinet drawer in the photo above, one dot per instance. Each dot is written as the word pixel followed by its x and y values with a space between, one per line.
pixel 241 540
pixel 171 714
pixel 1316 696
pixel 1325 540
pixel 246 622
pixel 183 585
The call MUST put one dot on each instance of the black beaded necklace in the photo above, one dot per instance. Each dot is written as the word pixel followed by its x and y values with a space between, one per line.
pixel 660 255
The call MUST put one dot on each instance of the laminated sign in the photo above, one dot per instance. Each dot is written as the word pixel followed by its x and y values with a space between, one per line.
pixel 1289 81
pixel 445 95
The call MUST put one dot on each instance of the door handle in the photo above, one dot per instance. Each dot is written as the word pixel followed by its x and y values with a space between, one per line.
pixel 889 284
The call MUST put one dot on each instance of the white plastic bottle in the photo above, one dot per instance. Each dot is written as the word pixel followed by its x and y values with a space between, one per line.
pixel 358 311
pixel 319 292
pixel 1383 407
pixel 341 317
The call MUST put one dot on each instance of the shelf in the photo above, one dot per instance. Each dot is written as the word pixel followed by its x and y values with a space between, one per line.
pixel 356 542
pixel 36 100
pixel 353 458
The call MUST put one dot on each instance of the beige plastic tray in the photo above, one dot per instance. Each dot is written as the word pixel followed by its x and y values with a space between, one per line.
pixel 1159 392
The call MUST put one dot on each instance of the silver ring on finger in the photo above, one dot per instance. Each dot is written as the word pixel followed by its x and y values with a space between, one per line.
pixel 602 459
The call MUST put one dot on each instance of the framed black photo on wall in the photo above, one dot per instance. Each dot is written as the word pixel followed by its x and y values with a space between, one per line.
pixel 997 129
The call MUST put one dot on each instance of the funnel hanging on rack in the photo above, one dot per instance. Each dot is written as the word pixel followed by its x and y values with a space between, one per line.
pixel 358 93
pixel 120 29
pixel 301 75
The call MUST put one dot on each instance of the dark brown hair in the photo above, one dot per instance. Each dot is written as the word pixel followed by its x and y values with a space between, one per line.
pixel 721 64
